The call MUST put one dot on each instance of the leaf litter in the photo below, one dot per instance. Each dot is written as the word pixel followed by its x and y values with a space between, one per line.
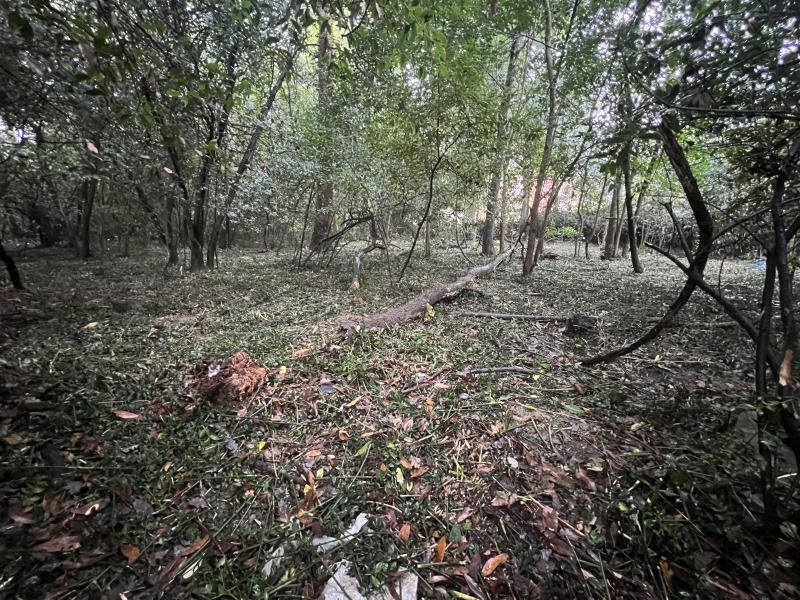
pixel 279 439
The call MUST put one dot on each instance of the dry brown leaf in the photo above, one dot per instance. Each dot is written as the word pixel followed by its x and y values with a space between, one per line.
pixel 441 546
pixel 493 563
pixel 90 507
pixel 582 476
pixel 52 503
pixel 407 424
pixel 464 515
pixel 130 552
pixel 562 547
pixel 343 435
pixel 785 377
pixel 528 457
pixel 11 440
pixel 482 469
pixel 75 437
pixel 512 499
pixel 405 532
pixel 124 414
pixel 62 544
pixel 405 463
pixel 667 572
pixel 23 518
pixel 310 499
pixel 582 389
pixel 313 453
pixel 549 518
pixel 419 472
pixel 195 547
pixel 124 492
pixel 415 463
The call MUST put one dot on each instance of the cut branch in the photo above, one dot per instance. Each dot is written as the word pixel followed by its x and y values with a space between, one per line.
pixel 521 370
pixel 418 306
pixel 542 318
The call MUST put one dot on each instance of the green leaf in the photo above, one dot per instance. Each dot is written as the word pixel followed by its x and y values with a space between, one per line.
pixel 363 449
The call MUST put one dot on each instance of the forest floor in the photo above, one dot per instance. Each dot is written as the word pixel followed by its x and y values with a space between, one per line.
pixel 143 455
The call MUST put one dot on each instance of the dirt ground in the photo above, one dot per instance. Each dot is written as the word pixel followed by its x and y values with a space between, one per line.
pixel 165 434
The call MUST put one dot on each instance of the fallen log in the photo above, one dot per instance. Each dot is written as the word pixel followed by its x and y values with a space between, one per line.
pixel 419 305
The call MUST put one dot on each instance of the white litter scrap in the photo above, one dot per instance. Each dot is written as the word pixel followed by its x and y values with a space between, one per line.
pixel 322 544
pixel 326 542
pixel 342 586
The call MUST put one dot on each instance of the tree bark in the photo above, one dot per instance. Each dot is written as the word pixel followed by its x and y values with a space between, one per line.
pixel 323 217
pixel 428 238
pixel 634 249
pixel 552 80
pixel 580 214
pixel 503 204
pixel 648 178
pixel 11 267
pixel 88 191
pixel 554 193
pixel 501 165
pixel 244 163
pixel 613 217
pixel 596 215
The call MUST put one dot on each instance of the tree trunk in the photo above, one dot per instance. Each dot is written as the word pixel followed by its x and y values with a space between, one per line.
pixel 244 163
pixel 88 191
pixel 552 78
pixel 596 216
pixel 502 153
pixel 550 203
pixel 503 204
pixel 646 183
pixel 526 206
pixel 613 216
pixel 11 267
pixel 580 214
pixel 428 238
pixel 323 217
pixel 487 236
pixel 618 224
pixel 634 250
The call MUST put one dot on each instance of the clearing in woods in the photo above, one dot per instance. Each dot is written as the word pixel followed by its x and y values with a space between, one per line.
pixel 202 423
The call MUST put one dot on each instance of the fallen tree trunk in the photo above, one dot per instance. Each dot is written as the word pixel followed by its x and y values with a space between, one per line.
pixel 418 306
pixel 357 264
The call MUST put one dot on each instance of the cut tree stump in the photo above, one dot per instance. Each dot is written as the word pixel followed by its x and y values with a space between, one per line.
pixel 418 306
pixel 356 284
